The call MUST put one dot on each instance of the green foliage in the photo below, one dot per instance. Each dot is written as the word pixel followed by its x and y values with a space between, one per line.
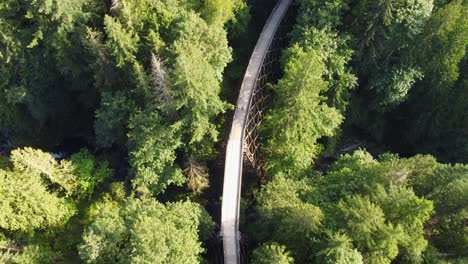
pixel 389 182
pixel 33 254
pixel 445 39
pixel 27 204
pixel 202 54
pixel 88 172
pixel 393 88
pixel 30 199
pixel 319 14
pixel 111 119
pixel 109 201
pixel 43 63
pixel 5 163
pixel 272 253
pixel 336 55
pixel 384 33
pixel 40 202
pixel 365 222
pixel 383 29
pixel 144 231
pixel 282 215
pixel 431 256
pixel 148 74
pixel 362 211
pixel 316 29
pixel 447 186
pixel 437 109
pixel 311 98
pixel 443 184
pixel 403 208
pixel 339 250
pixel 218 12
pixel 410 60
pixel 240 21
pixel 436 123
pixel 159 66
pixel 152 146
pixel 349 175
pixel 300 115
pixel 43 166
pixel 121 43
pixel 63 61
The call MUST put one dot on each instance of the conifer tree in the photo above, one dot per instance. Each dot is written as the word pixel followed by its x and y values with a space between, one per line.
pixel 299 116
pixel 142 231
pixel 271 253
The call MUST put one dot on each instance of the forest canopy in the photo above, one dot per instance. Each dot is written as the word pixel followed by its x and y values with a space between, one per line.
pixel 104 105
pixel 114 117
pixel 390 75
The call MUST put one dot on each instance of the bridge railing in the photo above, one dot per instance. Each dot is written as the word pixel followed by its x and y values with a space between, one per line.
pixel 262 69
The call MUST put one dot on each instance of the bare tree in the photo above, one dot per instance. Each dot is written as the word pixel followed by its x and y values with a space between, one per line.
pixel 115 5
pixel 197 175
pixel 160 83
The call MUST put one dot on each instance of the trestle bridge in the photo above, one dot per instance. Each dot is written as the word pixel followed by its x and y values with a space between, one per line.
pixel 243 143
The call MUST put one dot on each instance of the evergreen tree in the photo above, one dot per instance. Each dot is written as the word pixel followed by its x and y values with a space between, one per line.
pixel 339 249
pixel 362 210
pixel 27 204
pixel 447 186
pixel 444 39
pixel 365 222
pixel 283 216
pixel 300 115
pixel 437 110
pixel 89 172
pixel 202 54
pixel 32 195
pixel 44 74
pixel 152 146
pixel 142 231
pixel 317 29
pixel 271 253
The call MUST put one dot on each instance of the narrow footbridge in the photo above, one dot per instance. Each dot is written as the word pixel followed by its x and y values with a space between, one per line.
pixel 243 143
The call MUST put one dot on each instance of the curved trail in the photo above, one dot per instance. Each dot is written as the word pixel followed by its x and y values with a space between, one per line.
pixel 234 151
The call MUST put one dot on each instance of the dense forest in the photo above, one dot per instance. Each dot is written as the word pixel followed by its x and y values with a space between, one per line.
pixel 392 74
pixel 113 116
pixel 103 105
